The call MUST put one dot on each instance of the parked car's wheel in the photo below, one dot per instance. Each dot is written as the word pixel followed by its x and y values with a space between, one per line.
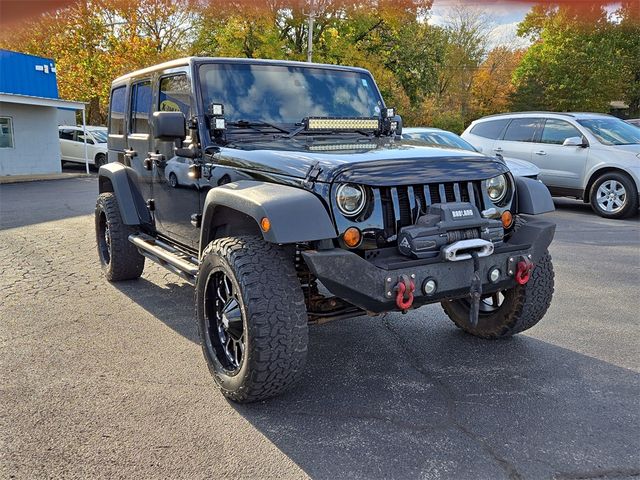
pixel 100 160
pixel 173 180
pixel 119 258
pixel 614 195
pixel 252 318
pixel 510 311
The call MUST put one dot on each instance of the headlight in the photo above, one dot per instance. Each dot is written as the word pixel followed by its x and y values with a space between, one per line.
pixel 351 199
pixel 496 188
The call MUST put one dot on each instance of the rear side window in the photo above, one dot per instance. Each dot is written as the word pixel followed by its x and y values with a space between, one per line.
pixel 66 134
pixel 175 95
pixel 521 130
pixel 491 129
pixel 141 107
pixel 557 131
pixel 116 117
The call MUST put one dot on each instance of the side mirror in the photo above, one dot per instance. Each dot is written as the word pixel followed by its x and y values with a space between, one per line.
pixel 574 142
pixel 169 126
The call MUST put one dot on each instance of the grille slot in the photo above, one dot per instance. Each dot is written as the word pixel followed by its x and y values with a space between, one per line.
pixel 401 205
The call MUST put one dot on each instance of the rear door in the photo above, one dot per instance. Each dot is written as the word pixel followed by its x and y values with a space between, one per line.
pixel 517 141
pixel 116 131
pixel 560 166
pixel 138 141
pixel 175 206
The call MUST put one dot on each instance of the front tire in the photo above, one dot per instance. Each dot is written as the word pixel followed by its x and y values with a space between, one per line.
pixel 614 195
pixel 173 180
pixel 252 318
pixel 100 160
pixel 511 311
pixel 119 258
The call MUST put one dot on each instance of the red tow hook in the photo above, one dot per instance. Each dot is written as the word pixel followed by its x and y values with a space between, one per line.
pixel 405 286
pixel 523 271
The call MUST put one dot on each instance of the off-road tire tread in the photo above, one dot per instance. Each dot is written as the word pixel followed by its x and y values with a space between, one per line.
pixel 531 302
pixel 277 318
pixel 126 263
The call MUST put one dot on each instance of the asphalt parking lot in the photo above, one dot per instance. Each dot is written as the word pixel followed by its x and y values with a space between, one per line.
pixel 104 380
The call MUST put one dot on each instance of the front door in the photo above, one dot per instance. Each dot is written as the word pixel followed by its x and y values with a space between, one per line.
pixel 559 166
pixel 176 195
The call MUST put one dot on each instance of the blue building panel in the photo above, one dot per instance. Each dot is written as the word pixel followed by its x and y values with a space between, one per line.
pixel 22 74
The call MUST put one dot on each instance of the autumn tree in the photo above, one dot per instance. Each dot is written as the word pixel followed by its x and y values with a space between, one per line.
pixel 491 88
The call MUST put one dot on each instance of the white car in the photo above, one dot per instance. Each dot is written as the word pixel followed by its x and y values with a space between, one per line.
pixel 590 156
pixel 72 144
pixel 438 137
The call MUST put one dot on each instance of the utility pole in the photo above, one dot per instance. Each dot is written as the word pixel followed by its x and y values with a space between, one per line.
pixel 310 32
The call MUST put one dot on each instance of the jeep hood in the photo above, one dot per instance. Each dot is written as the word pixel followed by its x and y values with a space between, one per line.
pixel 368 161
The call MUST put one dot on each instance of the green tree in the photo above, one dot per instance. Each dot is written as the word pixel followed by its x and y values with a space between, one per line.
pixel 581 59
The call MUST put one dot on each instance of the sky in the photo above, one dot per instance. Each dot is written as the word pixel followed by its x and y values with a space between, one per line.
pixel 503 17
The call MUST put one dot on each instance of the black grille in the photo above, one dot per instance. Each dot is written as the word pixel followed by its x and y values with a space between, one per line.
pixel 402 205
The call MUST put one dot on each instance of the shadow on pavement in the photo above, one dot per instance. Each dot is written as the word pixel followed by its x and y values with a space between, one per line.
pixel 411 396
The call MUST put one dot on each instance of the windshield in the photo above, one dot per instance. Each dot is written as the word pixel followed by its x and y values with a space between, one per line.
pixel 445 139
pixel 285 94
pixel 612 131
pixel 99 135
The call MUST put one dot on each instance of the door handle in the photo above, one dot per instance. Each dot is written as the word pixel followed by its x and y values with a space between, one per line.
pixel 540 152
pixel 499 149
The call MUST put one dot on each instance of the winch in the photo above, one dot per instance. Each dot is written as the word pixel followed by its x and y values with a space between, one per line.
pixel 449 225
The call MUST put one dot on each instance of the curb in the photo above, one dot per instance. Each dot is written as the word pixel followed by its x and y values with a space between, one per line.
pixel 40 178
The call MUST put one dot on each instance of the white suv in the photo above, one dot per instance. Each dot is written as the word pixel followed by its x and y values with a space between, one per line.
pixel 592 156
pixel 72 144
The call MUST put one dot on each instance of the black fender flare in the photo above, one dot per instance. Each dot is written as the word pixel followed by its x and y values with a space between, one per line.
pixel 123 182
pixel 296 215
pixel 533 197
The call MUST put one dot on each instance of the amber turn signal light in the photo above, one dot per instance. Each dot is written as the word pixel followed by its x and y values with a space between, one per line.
pixel 352 237
pixel 265 224
pixel 507 219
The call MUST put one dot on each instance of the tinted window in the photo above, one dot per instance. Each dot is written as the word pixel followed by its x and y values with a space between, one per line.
pixel 491 129
pixel 100 135
pixel 521 130
pixel 557 131
pixel 116 119
pixel 287 94
pixel 66 134
pixel 140 107
pixel 175 95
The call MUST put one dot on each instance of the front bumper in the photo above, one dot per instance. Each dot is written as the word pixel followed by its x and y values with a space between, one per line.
pixel 367 286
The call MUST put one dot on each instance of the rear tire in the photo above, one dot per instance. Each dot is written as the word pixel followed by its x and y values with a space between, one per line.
pixel 119 258
pixel 522 306
pixel 252 319
pixel 614 195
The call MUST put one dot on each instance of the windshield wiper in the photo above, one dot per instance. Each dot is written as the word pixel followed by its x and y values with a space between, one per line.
pixel 255 125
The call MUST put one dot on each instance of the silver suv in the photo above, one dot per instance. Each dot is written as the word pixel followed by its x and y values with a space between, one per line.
pixel 591 156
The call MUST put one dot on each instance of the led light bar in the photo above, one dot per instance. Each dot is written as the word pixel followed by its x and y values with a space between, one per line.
pixel 357 123
pixel 342 146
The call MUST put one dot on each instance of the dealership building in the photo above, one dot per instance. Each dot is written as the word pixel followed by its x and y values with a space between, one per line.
pixel 30 112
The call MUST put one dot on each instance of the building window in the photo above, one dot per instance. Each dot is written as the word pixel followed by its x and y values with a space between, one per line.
pixel 6 132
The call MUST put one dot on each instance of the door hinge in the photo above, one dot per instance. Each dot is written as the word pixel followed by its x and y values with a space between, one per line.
pixel 196 220
pixel 151 204
pixel 312 175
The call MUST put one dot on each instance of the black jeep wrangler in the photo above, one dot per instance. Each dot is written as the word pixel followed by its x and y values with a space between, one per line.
pixel 284 193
